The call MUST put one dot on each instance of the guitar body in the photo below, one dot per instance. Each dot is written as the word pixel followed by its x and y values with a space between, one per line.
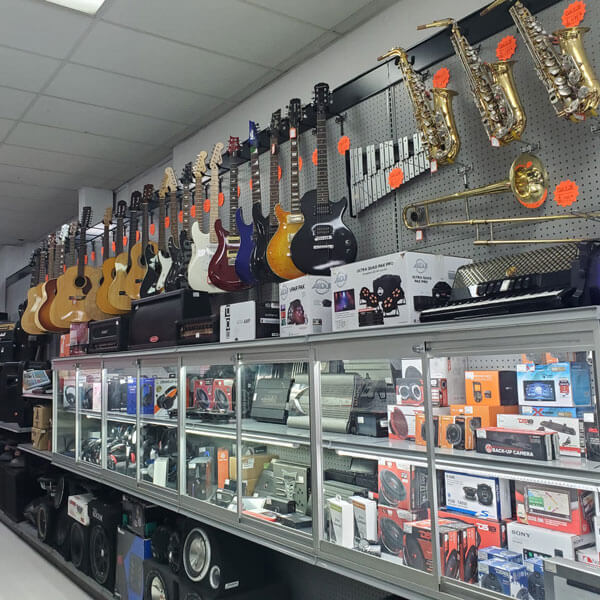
pixel 323 241
pixel 102 297
pixel 164 258
pixel 246 249
pixel 202 252
pixel 34 303
pixel 75 300
pixel 40 300
pixel 137 271
pixel 117 292
pixel 221 270
pixel 43 314
pixel 172 280
pixel 258 260
pixel 278 250
pixel 149 285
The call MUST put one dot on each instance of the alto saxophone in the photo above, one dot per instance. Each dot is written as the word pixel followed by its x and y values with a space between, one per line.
pixel 561 63
pixel 493 88
pixel 433 112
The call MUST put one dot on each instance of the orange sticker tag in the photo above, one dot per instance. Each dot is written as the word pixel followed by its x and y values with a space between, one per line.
pixel 315 157
pixel 573 14
pixel 206 205
pixel 93 256
pixel 114 246
pixel 396 178
pixel 566 193
pixel 137 236
pixel 506 47
pixel 221 198
pixel 193 211
pixel 85 260
pixel 152 228
pixel 167 222
pixel 279 173
pixel 102 252
pixel 343 144
pixel 239 191
pixel 250 183
pixel 47 277
pixel 180 216
pixel 124 240
pixel 441 78
pixel 300 163
pixel 64 268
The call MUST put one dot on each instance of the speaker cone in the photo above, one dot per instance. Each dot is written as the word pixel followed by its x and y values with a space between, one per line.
pixel 45 522
pixel 101 555
pixel 392 488
pixel 451 569
pixel 78 549
pixel 156 587
pixel 485 494
pixel 471 565
pixel 174 551
pixel 196 554
pixel 454 434
pixel 413 555
pixel 398 423
pixel 391 536
pixel 221 400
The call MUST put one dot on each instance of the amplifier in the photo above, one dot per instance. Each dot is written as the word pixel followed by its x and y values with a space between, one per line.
pixel 7 351
pixel 270 401
pixel 108 335
pixel 201 330
pixel 153 322
pixel 292 482
pixel 369 410
pixel 7 332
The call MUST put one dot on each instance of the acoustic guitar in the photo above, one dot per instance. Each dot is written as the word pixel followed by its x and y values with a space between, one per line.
pixel 69 259
pixel 108 268
pixel 56 258
pixel 77 287
pixel 278 250
pixel 34 299
pixel 324 241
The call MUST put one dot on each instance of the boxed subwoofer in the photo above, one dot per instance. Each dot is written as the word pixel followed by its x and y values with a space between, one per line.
pixel 491 532
pixel 499 575
pixel 132 551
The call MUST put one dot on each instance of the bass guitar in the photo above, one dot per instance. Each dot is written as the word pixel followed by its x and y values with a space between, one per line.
pixel 138 265
pixel 204 245
pixel 56 257
pixel 278 250
pixel 221 270
pixel 323 241
pixel 34 297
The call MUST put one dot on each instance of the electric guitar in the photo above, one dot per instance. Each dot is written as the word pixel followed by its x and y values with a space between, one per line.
pixel 154 280
pixel 278 250
pixel 171 280
pixel 55 266
pixel 203 247
pixel 323 241
pixel 221 270
pixel 78 286
pixel 34 300
pixel 137 260
pixel 117 292
pixel 246 232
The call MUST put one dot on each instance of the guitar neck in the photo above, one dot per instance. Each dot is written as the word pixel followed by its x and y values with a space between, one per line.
pixel 233 198
pixel 294 173
pixel 60 260
pixel 81 253
pixel 214 203
pixel 186 209
pixel 255 174
pixel 274 174
pixel 35 273
pixel 322 173
pixel 145 225
pixel 133 226
pixel 120 234
pixel 52 261
pixel 106 242
pixel 174 217
pixel 43 267
pixel 162 214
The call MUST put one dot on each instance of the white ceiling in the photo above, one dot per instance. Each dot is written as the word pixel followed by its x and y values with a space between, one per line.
pixel 93 101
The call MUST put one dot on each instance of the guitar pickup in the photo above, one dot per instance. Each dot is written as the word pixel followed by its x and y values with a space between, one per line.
pixel 322 238
pixel 323 247
pixel 231 253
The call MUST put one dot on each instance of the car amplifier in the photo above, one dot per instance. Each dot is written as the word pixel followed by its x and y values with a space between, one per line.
pixel 108 335
pixel 270 401
pixel 518 443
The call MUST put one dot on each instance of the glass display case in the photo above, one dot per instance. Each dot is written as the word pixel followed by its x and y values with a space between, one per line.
pixel 89 414
pixel 65 401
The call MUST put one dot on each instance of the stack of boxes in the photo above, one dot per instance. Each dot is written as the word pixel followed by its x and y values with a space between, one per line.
pixel 41 434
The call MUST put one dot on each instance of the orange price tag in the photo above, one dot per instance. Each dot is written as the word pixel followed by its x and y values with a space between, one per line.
pixel 85 259
pixel 573 14
pixel 124 240
pixel 279 173
pixel 137 236
pixel 250 183
pixel 102 251
pixel 93 256
pixel 64 268
pixel 180 216
pixel 47 277
pixel 167 222
pixel 206 205
pixel 239 191
pixel 506 47
pixel 441 78
pixel 343 144
pixel 566 193
pixel 315 157
pixel 193 211
pixel 221 198
pixel 396 178
pixel 114 246
pixel 300 163
pixel 152 228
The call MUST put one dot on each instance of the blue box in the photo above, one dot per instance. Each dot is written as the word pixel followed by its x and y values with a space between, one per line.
pixel 132 551
pixel 554 384
pixel 147 398
pixel 502 576
pixel 505 554
pixel 577 412
pixel 535 576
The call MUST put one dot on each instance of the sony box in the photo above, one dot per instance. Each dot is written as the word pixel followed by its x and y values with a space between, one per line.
pixel 249 321
pixel 305 306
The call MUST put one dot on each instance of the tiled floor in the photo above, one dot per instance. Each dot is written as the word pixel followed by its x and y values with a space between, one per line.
pixel 25 575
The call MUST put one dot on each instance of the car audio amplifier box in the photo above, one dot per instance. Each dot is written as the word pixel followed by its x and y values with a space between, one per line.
pixel 491 532
pixel 492 388
pixel 563 509
pixel 478 496
pixel 249 321
pixel 554 384
pixel 536 445
pixel 305 306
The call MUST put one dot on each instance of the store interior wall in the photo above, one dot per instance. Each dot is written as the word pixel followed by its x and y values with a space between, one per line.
pixel 340 62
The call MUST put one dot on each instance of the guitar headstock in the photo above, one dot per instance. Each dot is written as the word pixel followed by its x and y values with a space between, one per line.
pixel 215 158
pixel 136 201
pixel 52 240
pixel 121 209
pixel 171 179
pixel 148 193
pixel 294 114
pixel 253 134
pixel 322 97
pixel 64 233
pixel 233 147
pixel 164 186
pixel 199 167
pixel 186 175
pixel 275 123
pixel 107 220
pixel 86 218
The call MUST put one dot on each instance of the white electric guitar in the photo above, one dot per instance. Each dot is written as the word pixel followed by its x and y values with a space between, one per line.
pixel 169 183
pixel 204 245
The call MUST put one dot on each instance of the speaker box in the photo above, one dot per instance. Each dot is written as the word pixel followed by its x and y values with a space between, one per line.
pixel 62 533
pixel 132 551
pixel 160 583
pixel 271 591
pixel 105 516
pixel 13 407
pixel 46 520
pixel 80 547
pixel 17 490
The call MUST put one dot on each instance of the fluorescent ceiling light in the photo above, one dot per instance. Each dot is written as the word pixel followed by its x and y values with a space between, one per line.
pixel 91 7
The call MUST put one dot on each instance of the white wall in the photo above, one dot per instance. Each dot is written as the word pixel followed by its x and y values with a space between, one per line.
pixel 12 258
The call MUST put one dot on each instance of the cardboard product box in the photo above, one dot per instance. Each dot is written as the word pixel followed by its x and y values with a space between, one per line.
pixel 78 508
pixel 518 443
pixel 498 575
pixel 535 577
pixel 65 345
pixel 42 416
pixel 487 414
pixel 554 384
pixel 410 391
pixel 534 541
pixel 147 396
pixel 469 541
pixel 402 420
pixel 365 518
pixel 305 306
pixel 165 395
pixel 390 527
pixel 492 532
pixel 477 495
pixel 401 485
pixel 222 466
pixel 41 439
pixel 563 509
pixel 249 321
pixel 491 552
pixel 421 431
pixel 570 430
pixel 132 551
pixel 576 412
pixel 450 370
pixel 341 522
pixel 588 555
pixel 492 388
pixel 79 336
pixel 252 466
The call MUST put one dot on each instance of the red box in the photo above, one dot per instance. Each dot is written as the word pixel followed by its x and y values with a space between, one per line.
pixel 65 345
pixel 418 551
pixel 390 523
pixel 491 532
pixel 562 509
pixel 203 394
pixel 222 395
pixel 222 466
pixel 469 545
pixel 402 485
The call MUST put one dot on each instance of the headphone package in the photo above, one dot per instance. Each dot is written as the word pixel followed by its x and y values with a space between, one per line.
pixel 498 575
pixel 147 395
pixel 165 395
pixel 305 306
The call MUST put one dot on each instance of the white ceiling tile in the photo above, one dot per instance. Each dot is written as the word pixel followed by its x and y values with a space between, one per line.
pixel 141 55
pixel 228 26
pixel 5 126
pixel 26 192
pixel 51 179
pixel 13 102
pixel 84 84
pixel 102 121
pixel 24 70
pixel 61 140
pixel 362 15
pixel 40 27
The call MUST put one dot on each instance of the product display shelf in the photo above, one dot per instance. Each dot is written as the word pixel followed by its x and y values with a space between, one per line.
pixel 152 420
pixel 45 454
pixel 90 414
pixel 37 395
pixel 274 433
pixel 120 417
pixel 14 428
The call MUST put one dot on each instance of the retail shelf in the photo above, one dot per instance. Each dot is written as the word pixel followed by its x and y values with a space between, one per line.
pixel 120 417
pixel 37 395
pixel 14 428
pixel 274 433
pixel 211 428
pixel 150 420
pixel 90 414
pixel 45 454
pixel 344 443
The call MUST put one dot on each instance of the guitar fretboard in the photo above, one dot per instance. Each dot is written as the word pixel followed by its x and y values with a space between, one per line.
pixel 255 174
pixel 274 174
pixel 322 174
pixel 233 197
pixel 173 218
pixel 294 172
pixel 162 214
pixel 214 202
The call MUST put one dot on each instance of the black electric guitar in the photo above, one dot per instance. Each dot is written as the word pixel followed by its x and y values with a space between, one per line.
pixel 323 241
pixel 175 252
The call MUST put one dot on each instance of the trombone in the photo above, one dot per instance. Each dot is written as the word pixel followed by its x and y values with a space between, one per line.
pixel 527 180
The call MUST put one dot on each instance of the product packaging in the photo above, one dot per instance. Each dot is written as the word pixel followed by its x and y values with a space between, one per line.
pixel 491 532
pixel 402 485
pixel 515 443
pixel 487 414
pixel 305 306
pixel 365 518
pixel 341 522
pixel 249 321
pixel 491 388
pixel 498 575
pixel 447 378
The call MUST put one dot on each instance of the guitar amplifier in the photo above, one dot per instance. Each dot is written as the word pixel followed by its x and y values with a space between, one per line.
pixel 201 330
pixel 7 332
pixel 7 342
pixel 108 335
pixel 270 401
pixel 154 320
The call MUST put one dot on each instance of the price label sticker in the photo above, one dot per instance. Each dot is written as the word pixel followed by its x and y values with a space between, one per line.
pixel 180 216
pixel 239 191
pixel 494 141
pixel 441 78
pixel 221 198
pixel 419 235
pixel 102 252
pixel 124 240
pixel 573 14
pixel 137 236
pixel 566 193
pixel 279 173
pixel 433 166
pixel 250 183
pixel 506 47
pixel 93 256
pixel 315 156
pixel 167 222
pixel 343 145
pixel 206 205
pixel 85 259
pixel 152 228
pixel 114 246
pixel 396 178
pixel 300 163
